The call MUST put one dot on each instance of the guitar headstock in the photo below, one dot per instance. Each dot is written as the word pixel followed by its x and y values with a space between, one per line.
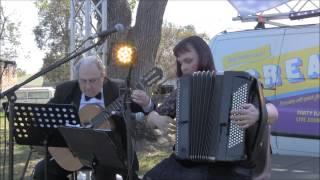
pixel 150 78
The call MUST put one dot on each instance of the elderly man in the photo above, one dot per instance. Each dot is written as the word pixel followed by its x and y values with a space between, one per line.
pixel 91 87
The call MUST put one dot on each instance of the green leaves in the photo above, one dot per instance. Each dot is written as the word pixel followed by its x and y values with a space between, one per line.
pixel 9 37
pixel 171 34
pixel 51 34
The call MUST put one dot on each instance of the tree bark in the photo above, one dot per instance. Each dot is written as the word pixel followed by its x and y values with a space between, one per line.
pixel 118 12
pixel 145 34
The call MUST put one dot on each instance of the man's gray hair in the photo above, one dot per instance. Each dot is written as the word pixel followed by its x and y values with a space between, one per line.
pixel 90 60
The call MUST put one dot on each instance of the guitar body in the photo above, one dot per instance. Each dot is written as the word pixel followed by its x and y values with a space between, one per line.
pixel 90 112
pixel 63 156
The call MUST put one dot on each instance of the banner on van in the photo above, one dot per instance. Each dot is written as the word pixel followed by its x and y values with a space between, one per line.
pixel 292 82
pixel 291 73
pixel 298 116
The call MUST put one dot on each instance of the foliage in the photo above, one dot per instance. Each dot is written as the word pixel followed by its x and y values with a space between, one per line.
pixel 21 153
pixel 9 37
pixel 51 35
pixel 20 72
pixel 132 4
pixel 171 35
pixel 38 82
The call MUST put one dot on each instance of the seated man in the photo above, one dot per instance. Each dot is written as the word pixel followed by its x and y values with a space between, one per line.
pixel 91 87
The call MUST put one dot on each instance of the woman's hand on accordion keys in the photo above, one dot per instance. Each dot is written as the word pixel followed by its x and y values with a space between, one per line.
pixel 246 116
pixel 163 123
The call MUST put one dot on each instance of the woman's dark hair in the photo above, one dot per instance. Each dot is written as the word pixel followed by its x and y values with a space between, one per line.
pixel 205 57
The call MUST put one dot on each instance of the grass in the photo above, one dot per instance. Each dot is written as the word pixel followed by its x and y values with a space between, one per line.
pixel 147 159
pixel 21 153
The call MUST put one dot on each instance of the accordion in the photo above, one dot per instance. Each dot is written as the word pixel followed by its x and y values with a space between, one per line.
pixel 205 131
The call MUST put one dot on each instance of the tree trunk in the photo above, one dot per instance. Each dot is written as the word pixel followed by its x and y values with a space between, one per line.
pixel 118 12
pixel 145 34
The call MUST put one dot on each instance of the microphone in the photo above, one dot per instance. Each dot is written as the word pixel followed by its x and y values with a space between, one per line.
pixel 8 62
pixel 139 116
pixel 117 28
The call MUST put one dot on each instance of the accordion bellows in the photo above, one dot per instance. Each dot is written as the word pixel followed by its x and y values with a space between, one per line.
pixel 204 129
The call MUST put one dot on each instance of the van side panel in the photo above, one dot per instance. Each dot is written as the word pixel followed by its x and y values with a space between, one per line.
pixel 298 94
pixel 286 61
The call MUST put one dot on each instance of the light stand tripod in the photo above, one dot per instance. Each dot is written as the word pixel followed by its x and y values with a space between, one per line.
pixel 130 124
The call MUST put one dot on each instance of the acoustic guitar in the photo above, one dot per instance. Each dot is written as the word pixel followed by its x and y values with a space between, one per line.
pixel 94 116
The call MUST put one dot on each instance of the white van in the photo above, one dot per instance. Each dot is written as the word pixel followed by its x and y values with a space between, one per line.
pixel 37 95
pixel 287 61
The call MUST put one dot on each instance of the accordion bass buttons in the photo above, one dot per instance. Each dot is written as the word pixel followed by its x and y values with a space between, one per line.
pixel 211 158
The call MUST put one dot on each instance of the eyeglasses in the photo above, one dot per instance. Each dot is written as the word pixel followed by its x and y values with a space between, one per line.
pixel 90 81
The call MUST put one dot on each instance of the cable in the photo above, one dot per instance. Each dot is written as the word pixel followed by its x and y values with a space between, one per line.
pixel 4 144
pixel 3 164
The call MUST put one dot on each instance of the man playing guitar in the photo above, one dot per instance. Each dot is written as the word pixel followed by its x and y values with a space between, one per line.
pixel 92 87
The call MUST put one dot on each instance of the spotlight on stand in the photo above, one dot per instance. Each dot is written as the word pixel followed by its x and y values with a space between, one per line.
pixel 124 53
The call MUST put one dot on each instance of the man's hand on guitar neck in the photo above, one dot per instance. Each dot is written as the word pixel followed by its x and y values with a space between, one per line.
pixel 141 98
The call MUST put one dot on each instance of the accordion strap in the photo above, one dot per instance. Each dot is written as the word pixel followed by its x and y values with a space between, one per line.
pixel 262 124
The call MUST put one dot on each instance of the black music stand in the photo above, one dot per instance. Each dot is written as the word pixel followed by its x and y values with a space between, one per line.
pixel 95 147
pixel 37 124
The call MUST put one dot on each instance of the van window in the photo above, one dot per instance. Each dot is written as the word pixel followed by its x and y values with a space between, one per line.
pixel 38 95
pixel 35 94
pixel 21 95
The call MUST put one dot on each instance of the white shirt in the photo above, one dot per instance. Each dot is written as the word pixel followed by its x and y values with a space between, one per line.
pixel 93 100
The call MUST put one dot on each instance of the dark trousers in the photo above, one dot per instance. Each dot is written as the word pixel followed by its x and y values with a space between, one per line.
pixel 173 169
pixel 54 171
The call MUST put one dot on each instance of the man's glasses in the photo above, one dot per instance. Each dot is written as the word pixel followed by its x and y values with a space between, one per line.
pixel 90 81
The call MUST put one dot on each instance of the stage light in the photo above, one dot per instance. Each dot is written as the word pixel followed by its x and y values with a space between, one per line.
pixel 124 54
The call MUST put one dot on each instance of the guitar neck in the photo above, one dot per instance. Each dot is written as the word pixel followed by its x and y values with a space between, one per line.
pixel 116 105
pixel 146 81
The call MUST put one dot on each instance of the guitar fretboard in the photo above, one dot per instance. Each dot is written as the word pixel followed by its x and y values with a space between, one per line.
pixel 116 105
pixel 147 80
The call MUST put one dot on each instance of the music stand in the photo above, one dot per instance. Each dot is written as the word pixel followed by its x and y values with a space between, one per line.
pixel 37 124
pixel 96 147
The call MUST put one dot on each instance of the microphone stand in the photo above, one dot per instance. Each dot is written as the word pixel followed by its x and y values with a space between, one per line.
pixel 10 94
pixel 130 124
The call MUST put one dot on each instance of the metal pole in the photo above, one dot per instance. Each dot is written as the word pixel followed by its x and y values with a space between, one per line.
pixel 87 23
pixel 104 26
pixel 72 35
pixel 11 100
